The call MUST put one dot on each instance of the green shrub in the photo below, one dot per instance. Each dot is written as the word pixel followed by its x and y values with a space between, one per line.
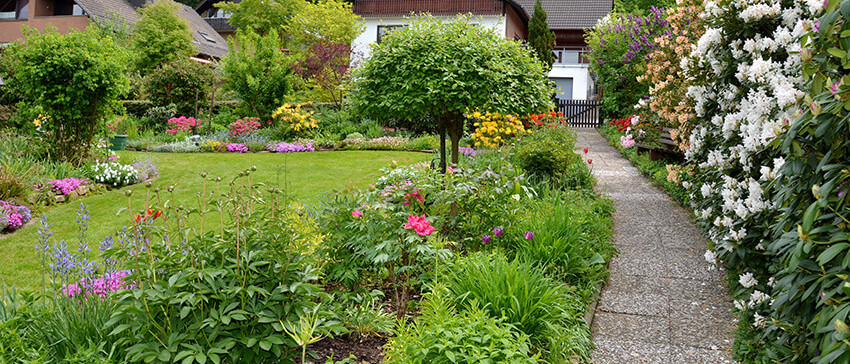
pixel 546 152
pixel 156 118
pixel 11 186
pixel 444 335
pixel 258 72
pixel 182 82
pixel 75 80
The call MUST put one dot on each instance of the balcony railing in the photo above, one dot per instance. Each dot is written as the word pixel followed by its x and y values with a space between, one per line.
pixel 571 55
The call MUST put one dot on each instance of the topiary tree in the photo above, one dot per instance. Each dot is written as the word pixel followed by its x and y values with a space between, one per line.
pixel 258 71
pixel 160 35
pixel 540 38
pixel 75 80
pixel 437 69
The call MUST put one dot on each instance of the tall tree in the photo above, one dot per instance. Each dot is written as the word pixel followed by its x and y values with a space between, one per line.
pixel 541 39
pixel 328 21
pixel 161 35
pixel 261 16
pixel 258 71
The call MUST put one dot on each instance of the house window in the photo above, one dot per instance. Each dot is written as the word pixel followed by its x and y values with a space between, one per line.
pixel 383 30
pixel 66 7
pixel 14 9
pixel 564 87
pixel 207 37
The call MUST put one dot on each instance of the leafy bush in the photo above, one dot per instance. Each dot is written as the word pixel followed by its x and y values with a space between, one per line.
pixel 75 80
pixel 156 117
pixel 182 82
pixel 571 243
pixel 546 152
pixel 11 186
pixel 258 71
pixel 444 335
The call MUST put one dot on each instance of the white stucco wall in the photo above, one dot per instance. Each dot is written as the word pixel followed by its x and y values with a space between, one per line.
pixel 370 35
pixel 580 75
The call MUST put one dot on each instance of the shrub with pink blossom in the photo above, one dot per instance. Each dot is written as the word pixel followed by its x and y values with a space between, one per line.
pixel 246 126
pixel 183 125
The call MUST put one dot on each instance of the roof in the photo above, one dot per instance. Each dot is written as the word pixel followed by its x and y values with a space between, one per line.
pixel 571 14
pixel 105 10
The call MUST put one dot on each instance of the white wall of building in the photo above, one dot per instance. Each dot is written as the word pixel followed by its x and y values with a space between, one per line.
pixel 580 74
pixel 361 44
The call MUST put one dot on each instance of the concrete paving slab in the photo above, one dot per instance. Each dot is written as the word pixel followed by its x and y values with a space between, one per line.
pixel 663 303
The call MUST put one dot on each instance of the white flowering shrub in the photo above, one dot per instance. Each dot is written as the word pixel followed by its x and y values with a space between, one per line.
pixel 746 87
pixel 113 174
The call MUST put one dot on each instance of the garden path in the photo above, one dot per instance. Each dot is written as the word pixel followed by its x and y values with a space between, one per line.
pixel 662 303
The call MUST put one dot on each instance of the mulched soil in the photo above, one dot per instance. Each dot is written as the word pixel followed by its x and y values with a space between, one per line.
pixel 367 350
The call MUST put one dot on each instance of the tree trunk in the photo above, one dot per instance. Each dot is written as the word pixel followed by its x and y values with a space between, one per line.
pixel 441 129
pixel 455 132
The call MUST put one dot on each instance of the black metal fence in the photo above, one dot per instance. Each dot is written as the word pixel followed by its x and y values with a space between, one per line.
pixel 581 113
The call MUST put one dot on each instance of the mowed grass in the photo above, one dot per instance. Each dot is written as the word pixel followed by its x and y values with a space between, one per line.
pixel 305 176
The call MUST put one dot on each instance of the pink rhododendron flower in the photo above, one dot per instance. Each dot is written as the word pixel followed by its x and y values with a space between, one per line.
pixel 420 224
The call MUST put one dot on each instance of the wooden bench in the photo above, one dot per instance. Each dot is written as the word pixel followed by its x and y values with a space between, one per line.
pixel 668 147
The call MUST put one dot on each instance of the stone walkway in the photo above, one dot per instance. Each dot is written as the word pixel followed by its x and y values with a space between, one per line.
pixel 662 303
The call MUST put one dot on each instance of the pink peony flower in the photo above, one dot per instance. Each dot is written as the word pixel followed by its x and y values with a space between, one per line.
pixel 420 224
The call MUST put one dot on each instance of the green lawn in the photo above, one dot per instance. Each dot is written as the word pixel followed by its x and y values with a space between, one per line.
pixel 308 176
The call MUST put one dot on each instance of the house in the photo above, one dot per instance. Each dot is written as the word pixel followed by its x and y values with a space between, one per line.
pixel 217 19
pixel 381 16
pixel 568 19
pixel 78 14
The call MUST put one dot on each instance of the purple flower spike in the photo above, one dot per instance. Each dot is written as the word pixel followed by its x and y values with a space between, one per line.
pixel 498 231
pixel 485 239
pixel 529 235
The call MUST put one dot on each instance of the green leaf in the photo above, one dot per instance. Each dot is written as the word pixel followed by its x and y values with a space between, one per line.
pixel 809 217
pixel 201 358
pixel 164 355
pixel 265 344
pixel 831 252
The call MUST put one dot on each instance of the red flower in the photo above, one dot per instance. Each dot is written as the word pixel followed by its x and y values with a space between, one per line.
pixel 590 161
pixel 584 150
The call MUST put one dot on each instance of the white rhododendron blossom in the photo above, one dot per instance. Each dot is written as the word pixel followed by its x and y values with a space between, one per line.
pixel 746 87
pixel 747 280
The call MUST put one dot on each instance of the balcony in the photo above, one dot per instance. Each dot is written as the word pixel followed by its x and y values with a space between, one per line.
pixel 571 55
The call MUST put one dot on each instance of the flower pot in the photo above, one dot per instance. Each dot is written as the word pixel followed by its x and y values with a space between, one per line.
pixel 118 142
